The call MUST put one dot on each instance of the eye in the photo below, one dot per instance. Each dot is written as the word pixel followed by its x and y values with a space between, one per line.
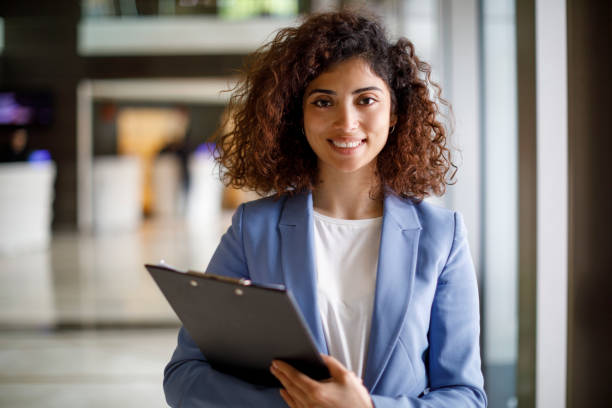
pixel 367 100
pixel 321 103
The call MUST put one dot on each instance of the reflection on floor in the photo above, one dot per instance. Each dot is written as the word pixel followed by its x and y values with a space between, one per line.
pixel 109 368
pixel 83 324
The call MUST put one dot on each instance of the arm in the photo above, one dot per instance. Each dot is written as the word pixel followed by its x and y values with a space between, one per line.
pixel 189 381
pixel 455 376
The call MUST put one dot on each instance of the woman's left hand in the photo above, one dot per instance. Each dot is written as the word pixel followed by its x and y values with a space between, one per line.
pixel 343 389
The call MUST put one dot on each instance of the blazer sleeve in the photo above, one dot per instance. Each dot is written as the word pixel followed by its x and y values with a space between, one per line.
pixel 189 381
pixel 455 376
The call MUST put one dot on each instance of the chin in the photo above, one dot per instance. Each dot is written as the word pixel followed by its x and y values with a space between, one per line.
pixel 350 167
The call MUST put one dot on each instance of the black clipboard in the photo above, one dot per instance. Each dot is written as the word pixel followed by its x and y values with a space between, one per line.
pixel 240 326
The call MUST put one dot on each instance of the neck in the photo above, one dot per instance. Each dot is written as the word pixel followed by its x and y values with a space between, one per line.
pixel 347 195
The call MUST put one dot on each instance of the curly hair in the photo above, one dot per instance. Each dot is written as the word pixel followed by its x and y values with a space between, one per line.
pixel 265 149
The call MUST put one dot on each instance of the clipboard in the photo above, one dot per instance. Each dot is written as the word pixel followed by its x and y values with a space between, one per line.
pixel 241 326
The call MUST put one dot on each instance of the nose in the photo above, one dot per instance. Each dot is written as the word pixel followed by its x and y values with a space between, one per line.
pixel 346 118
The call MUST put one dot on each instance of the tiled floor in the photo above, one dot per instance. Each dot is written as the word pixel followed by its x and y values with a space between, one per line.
pixel 83 325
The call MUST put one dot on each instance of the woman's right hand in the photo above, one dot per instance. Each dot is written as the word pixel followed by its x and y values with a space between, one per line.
pixel 343 389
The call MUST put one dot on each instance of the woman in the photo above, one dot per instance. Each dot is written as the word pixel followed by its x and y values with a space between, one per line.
pixel 338 125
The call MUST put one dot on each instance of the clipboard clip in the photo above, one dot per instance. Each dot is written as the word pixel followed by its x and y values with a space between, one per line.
pixel 241 281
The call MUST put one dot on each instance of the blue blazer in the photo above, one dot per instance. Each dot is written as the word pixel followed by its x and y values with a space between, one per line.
pixel 424 340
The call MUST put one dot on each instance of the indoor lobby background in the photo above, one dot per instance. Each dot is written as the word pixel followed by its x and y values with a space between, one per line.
pixel 107 114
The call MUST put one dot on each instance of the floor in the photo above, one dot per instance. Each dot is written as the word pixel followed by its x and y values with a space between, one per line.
pixel 82 324
pixel 84 368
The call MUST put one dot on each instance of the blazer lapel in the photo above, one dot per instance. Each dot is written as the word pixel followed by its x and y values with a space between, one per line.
pixel 394 282
pixel 297 261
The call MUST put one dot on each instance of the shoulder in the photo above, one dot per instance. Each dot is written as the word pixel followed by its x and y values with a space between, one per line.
pixel 442 223
pixel 444 233
pixel 264 211
pixel 423 215
pixel 436 218
pixel 264 206
pixel 439 227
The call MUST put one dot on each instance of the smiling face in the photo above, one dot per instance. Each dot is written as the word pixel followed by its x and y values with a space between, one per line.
pixel 347 115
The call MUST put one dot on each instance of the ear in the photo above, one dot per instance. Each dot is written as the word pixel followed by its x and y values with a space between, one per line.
pixel 392 119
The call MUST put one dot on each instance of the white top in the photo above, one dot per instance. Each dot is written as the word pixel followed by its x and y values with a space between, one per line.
pixel 346 258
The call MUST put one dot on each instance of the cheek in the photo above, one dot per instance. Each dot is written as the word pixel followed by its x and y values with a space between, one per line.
pixel 378 125
pixel 313 120
pixel 311 137
pixel 383 117
pixel 310 141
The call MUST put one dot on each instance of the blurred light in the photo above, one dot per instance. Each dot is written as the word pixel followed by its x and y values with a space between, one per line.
pixel 205 149
pixel 38 156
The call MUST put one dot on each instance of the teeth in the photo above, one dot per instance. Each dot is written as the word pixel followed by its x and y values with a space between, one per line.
pixel 346 144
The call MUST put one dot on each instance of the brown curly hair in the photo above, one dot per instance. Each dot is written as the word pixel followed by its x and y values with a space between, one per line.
pixel 266 150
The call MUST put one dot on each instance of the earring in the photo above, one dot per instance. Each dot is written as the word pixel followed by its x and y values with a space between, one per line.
pixel 391 129
pixel 303 134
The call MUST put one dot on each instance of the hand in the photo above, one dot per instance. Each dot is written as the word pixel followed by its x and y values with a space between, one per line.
pixel 343 389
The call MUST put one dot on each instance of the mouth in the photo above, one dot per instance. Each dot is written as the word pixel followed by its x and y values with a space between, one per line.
pixel 347 145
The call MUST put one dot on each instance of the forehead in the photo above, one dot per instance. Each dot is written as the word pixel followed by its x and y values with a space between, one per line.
pixel 354 72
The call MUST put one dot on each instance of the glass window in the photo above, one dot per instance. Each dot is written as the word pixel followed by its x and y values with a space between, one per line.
pixel 500 183
pixel 181 27
pixel 225 9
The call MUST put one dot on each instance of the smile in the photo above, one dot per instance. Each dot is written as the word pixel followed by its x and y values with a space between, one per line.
pixel 347 145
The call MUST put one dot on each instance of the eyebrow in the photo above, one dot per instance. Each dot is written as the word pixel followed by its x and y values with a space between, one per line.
pixel 356 91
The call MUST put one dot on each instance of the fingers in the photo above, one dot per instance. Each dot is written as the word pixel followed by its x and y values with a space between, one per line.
pixel 293 390
pixel 298 380
pixel 336 369
pixel 287 398
pixel 301 391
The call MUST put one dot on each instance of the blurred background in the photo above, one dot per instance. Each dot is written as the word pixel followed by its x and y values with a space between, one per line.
pixel 107 109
